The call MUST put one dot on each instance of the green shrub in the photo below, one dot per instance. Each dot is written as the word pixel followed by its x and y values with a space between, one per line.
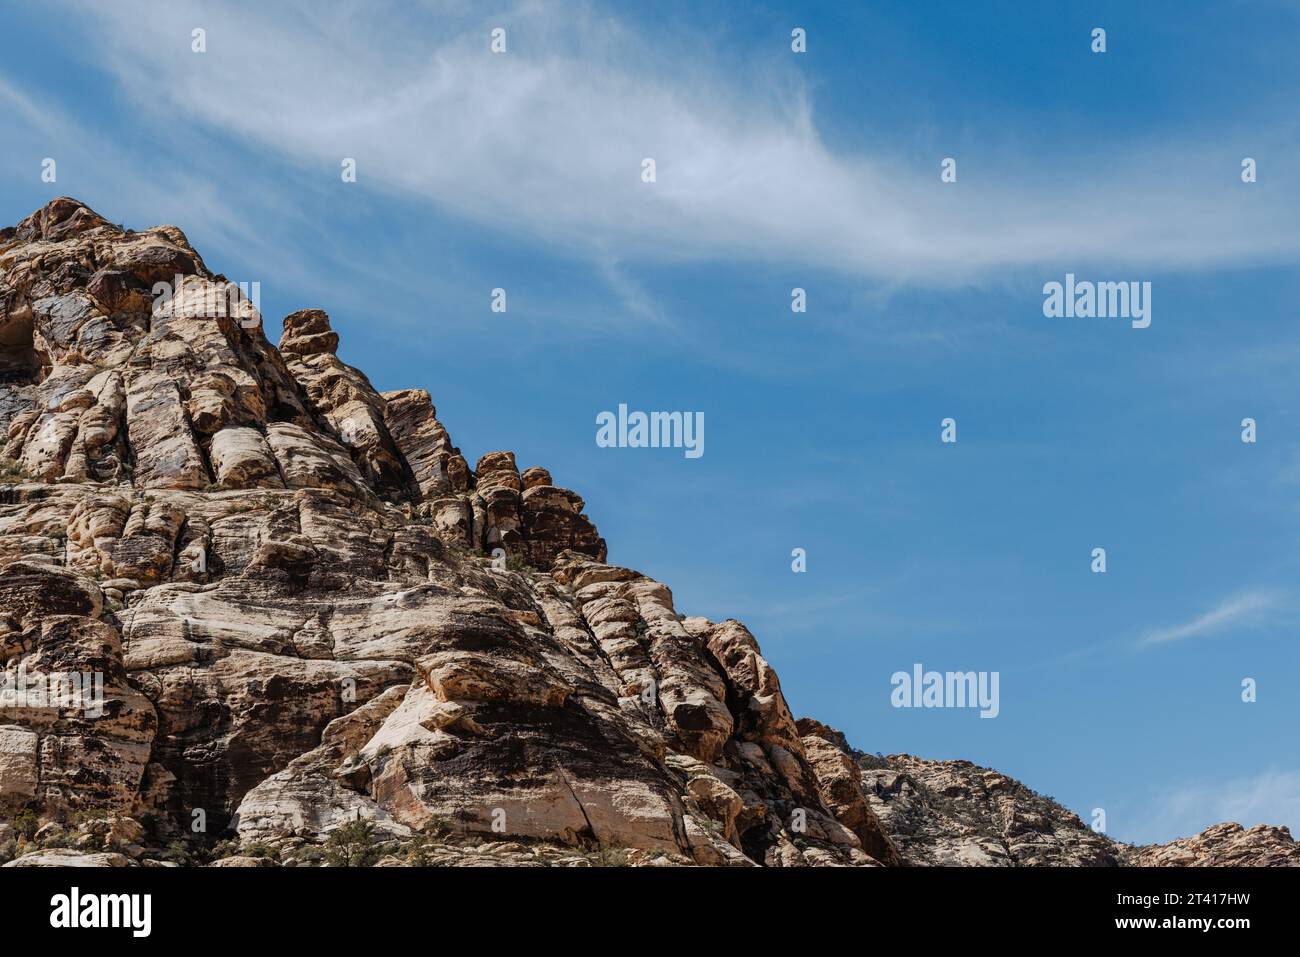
pixel 26 824
pixel 606 855
pixel 417 850
pixel 312 854
pixel 352 845
pixel 224 849
pixel 178 852
pixel 260 850
pixel 11 471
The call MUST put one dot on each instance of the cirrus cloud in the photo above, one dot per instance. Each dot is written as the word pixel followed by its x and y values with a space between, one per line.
pixel 547 141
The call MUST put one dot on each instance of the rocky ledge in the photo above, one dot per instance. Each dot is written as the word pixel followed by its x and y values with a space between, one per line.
pixel 320 636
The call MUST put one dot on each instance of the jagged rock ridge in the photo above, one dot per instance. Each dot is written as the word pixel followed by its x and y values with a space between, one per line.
pixel 281 574
pixel 307 609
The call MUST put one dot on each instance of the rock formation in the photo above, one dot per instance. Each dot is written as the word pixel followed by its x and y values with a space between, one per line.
pixel 318 631
pixel 1223 845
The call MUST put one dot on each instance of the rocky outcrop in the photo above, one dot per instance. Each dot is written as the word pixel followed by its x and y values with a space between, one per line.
pixel 306 608
pixel 343 402
pixel 957 813
pixel 1223 845
pixel 302 613
pixel 839 782
pixel 438 468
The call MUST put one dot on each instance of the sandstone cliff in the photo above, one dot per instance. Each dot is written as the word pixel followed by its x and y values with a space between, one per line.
pixel 308 610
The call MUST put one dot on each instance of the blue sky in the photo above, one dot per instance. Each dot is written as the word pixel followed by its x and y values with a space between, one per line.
pixel 819 170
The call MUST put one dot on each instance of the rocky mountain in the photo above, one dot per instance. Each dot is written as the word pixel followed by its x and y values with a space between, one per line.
pixel 253 611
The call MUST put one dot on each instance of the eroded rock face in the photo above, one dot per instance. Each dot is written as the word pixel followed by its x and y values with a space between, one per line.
pixel 839 782
pixel 291 587
pixel 304 608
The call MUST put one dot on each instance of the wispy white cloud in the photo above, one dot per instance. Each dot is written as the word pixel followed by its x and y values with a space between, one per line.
pixel 1271 797
pixel 1246 608
pixel 90 162
pixel 17 106
pixel 547 141
pixel 140 188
